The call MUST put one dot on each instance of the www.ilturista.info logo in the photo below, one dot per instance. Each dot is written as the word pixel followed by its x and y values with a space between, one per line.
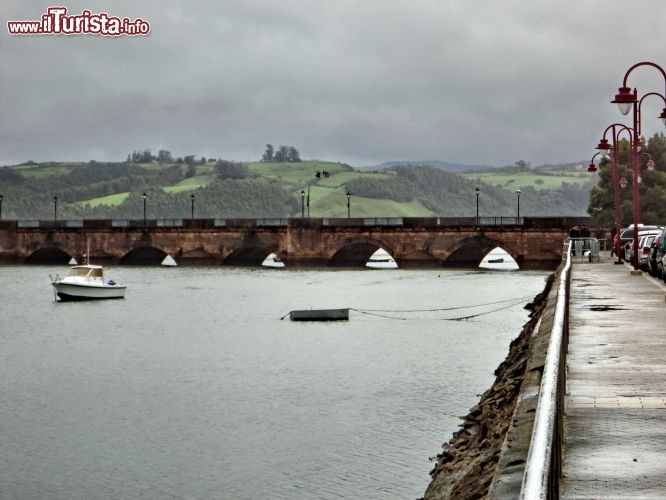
pixel 57 22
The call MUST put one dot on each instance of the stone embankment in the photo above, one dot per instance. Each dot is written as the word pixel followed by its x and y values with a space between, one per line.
pixel 486 457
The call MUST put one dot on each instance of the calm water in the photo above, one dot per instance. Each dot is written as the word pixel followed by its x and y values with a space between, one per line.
pixel 192 387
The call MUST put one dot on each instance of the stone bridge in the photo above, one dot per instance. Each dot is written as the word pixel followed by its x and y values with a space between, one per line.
pixel 413 242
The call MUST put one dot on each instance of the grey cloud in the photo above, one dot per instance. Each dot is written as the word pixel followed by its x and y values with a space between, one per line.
pixel 363 82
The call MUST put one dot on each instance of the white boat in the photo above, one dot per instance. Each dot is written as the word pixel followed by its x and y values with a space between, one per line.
pixel 499 259
pixel 381 259
pixel 86 282
pixel 272 261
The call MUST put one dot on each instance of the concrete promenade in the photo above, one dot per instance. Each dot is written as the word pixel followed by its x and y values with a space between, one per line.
pixel 615 408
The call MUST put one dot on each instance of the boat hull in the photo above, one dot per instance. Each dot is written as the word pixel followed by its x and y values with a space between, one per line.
pixel 319 315
pixel 273 261
pixel 381 259
pixel 67 292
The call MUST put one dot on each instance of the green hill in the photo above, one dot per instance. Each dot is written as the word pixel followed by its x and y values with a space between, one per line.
pixel 273 190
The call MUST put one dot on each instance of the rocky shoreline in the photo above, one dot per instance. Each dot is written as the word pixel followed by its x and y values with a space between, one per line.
pixel 468 462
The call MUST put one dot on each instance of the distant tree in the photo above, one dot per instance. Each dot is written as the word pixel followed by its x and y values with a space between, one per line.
pixel 282 154
pixel 225 169
pixel 293 155
pixel 523 165
pixel 164 156
pixel 268 154
pixel 191 171
pixel 141 156
pixel 189 159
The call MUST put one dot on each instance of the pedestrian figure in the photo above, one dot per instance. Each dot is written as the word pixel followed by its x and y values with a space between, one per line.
pixel 585 233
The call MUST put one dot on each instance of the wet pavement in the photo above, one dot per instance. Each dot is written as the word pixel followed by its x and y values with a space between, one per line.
pixel 615 422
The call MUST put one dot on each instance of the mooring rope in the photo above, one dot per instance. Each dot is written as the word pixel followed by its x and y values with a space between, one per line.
pixel 375 312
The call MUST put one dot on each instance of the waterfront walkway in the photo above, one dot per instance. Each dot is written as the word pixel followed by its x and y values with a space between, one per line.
pixel 615 408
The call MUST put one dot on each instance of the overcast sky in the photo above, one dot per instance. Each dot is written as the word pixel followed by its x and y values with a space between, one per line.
pixel 359 81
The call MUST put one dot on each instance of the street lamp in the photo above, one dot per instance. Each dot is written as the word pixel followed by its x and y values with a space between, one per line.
pixel 144 210
pixel 606 149
pixel 55 209
pixel 302 204
pixel 649 164
pixel 626 99
pixel 192 212
pixel 518 199
pixel 307 201
pixel 348 205
pixel 477 206
pixel 592 168
pixel 0 206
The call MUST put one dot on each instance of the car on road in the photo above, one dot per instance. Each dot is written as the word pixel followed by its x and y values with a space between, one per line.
pixel 660 255
pixel 627 238
pixel 654 258
pixel 644 245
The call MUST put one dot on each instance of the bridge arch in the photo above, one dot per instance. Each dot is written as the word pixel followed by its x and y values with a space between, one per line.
pixel 469 252
pixel 248 256
pixel 197 257
pixel 143 256
pixel 356 252
pixel 48 255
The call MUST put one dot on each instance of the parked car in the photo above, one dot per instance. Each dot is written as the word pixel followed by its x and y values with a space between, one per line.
pixel 661 255
pixel 627 238
pixel 654 258
pixel 644 244
pixel 627 234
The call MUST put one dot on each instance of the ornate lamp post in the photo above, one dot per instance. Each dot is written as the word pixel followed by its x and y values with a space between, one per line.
pixel 348 205
pixel 518 201
pixel 55 209
pixel 144 210
pixel 649 164
pixel 192 212
pixel 606 149
pixel 477 205
pixel 592 168
pixel 302 204
pixel 626 99
pixel 307 201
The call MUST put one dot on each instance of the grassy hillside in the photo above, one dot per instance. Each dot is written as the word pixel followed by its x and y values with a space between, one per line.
pixel 274 190
pixel 538 179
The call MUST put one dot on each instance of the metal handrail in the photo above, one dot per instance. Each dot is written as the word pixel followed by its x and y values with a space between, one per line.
pixel 545 433
pixel 480 223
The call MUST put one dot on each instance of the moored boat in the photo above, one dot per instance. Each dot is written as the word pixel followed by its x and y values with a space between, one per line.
pixel 498 259
pixel 86 282
pixel 319 314
pixel 381 259
pixel 272 260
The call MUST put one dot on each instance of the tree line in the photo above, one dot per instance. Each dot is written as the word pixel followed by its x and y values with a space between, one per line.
pixel 288 154
pixel 651 188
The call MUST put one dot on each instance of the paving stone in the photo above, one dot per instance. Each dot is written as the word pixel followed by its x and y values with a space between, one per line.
pixel 615 422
